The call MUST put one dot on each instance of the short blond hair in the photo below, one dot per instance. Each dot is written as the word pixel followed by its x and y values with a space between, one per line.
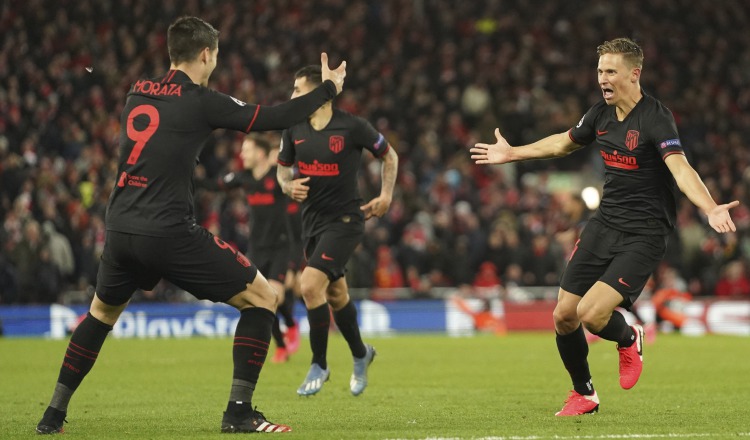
pixel 630 51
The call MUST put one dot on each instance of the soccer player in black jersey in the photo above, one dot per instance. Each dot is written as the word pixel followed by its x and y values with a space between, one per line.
pixel 151 229
pixel 626 238
pixel 327 149
pixel 271 234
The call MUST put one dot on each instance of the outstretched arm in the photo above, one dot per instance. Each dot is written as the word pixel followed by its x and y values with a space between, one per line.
pixel 379 205
pixel 294 188
pixel 692 186
pixel 285 115
pixel 500 152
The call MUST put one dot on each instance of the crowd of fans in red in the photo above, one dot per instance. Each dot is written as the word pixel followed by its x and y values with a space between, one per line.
pixel 434 76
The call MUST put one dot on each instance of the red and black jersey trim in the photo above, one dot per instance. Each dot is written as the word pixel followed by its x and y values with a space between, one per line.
pixel 570 135
pixel 168 77
pixel 671 153
pixel 387 147
pixel 255 116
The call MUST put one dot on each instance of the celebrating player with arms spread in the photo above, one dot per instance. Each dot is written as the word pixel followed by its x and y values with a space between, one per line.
pixel 327 149
pixel 626 238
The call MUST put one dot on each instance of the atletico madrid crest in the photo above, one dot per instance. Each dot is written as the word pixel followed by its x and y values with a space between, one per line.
pixel 631 140
pixel 336 143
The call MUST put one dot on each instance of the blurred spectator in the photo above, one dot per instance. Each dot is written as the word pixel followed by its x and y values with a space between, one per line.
pixel 8 282
pixel 734 281
pixel 27 258
pixel 388 273
pixel 60 251
pixel 427 73
pixel 487 276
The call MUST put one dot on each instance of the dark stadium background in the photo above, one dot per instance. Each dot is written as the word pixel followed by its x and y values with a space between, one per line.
pixel 434 76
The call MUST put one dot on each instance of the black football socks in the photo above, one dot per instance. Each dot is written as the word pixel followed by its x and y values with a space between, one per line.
pixel 83 349
pixel 278 337
pixel 346 321
pixel 574 351
pixel 251 340
pixel 286 310
pixel 320 321
pixel 618 330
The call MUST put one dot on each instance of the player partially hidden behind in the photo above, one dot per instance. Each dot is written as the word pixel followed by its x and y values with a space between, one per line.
pixel 626 238
pixel 270 236
pixel 151 228
pixel 327 149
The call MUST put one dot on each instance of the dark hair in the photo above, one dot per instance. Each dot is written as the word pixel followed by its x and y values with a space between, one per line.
pixel 311 73
pixel 629 49
pixel 187 36
pixel 261 142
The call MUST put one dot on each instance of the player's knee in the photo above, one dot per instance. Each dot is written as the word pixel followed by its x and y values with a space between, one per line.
pixel 338 299
pixel 269 298
pixel 566 321
pixel 278 290
pixel 591 319
pixel 262 295
pixel 311 293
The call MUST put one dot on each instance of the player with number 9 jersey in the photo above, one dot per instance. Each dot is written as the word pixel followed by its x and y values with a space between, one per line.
pixel 165 124
pixel 151 228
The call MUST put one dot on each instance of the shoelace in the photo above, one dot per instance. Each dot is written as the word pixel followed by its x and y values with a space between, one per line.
pixel 628 355
pixel 255 410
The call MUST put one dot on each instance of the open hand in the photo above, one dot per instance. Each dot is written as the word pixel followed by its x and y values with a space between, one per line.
pixel 719 217
pixel 496 153
pixel 337 75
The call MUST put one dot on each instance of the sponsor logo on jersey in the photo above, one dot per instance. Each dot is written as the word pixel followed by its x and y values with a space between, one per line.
pixel 336 143
pixel 619 161
pixel 157 89
pixel 631 139
pixel 580 122
pixel 260 199
pixel 318 169
pixel 240 103
pixel 269 183
pixel 671 143
pixel 132 180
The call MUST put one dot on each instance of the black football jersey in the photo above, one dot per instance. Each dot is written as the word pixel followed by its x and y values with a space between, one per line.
pixel 268 207
pixel 164 125
pixel 331 158
pixel 639 190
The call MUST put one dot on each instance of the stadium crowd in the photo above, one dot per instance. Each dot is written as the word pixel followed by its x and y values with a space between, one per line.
pixel 435 76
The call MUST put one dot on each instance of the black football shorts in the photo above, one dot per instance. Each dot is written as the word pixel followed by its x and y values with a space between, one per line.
pixel 623 260
pixel 272 262
pixel 330 250
pixel 198 262
pixel 296 255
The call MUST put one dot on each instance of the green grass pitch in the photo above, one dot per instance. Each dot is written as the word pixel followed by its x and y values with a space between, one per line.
pixel 421 386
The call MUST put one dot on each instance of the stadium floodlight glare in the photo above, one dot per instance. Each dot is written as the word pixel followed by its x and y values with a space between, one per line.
pixel 591 197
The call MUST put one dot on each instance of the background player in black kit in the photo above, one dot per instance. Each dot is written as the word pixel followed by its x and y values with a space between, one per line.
pixel 626 238
pixel 327 149
pixel 270 235
pixel 151 230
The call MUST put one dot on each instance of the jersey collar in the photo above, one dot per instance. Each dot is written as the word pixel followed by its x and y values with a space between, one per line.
pixel 177 76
